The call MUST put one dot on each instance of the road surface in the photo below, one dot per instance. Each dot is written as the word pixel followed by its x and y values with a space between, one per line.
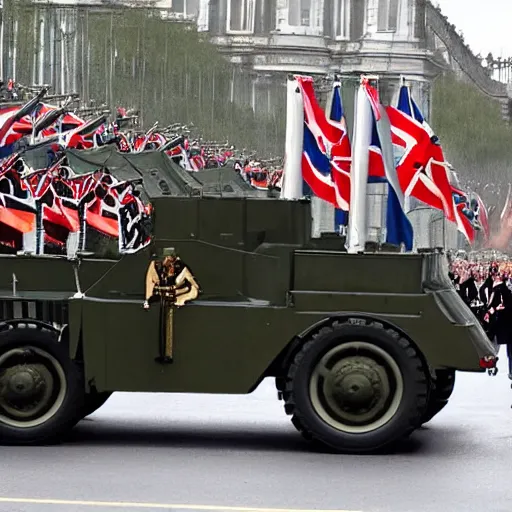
pixel 234 453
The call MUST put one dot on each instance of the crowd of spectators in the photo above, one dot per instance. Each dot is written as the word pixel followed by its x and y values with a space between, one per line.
pixel 483 280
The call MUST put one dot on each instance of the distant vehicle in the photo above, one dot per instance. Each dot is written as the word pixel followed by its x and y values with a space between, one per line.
pixel 220 294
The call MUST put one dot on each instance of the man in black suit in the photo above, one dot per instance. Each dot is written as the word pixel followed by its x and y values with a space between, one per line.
pixel 499 316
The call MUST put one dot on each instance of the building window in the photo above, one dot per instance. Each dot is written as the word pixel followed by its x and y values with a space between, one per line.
pixel 186 7
pixel 341 19
pixel 241 16
pixel 299 13
pixel 388 16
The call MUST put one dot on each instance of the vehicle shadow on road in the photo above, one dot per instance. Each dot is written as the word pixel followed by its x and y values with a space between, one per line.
pixel 101 432
pixel 187 435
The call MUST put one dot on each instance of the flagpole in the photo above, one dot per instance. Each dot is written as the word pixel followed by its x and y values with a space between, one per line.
pixel 292 172
pixel 357 225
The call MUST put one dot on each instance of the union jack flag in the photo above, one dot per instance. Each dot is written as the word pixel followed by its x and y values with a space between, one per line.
pixel 398 228
pixel 422 168
pixel 464 223
pixel 483 216
pixel 326 150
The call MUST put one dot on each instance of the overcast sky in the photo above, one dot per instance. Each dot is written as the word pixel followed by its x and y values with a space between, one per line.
pixel 486 25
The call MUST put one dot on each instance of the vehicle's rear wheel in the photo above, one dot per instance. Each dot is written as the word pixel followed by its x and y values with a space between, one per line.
pixel 93 401
pixel 356 387
pixel 41 388
pixel 442 386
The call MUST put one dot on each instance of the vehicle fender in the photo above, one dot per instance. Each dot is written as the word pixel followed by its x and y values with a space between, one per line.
pixel 15 322
pixel 291 349
pixel 65 335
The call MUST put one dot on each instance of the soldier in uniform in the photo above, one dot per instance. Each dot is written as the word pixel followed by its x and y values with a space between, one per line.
pixel 170 281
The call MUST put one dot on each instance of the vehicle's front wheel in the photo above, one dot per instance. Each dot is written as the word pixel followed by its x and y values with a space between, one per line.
pixel 41 388
pixel 356 387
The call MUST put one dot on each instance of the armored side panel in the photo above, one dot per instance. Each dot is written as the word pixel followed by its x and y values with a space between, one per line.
pixel 239 247
pixel 261 288
pixel 399 289
pixel 255 278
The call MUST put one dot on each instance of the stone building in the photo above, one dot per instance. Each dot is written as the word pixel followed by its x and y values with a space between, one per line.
pixel 274 37
pixel 348 37
pixel 267 39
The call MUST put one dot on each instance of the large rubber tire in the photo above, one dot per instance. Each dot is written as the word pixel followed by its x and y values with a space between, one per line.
pixel 37 372
pixel 442 386
pixel 93 401
pixel 373 366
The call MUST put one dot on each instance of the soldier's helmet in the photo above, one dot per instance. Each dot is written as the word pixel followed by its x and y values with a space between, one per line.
pixel 169 256
pixel 169 252
pixel 165 254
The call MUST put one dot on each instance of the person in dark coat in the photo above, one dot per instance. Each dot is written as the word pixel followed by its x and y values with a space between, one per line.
pixel 468 290
pixel 456 281
pixel 500 316
pixel 488 284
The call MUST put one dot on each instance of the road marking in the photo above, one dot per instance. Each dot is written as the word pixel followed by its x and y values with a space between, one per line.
pixel 168 506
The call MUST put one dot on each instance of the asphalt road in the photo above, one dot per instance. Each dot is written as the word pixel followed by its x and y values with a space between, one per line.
pixel 206 453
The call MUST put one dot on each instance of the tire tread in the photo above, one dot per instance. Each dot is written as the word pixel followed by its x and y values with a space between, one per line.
pixel 300 421
pixel 66 418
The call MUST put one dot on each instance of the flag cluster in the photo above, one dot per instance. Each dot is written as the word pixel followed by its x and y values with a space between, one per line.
pixel 404 153
pixel 51 204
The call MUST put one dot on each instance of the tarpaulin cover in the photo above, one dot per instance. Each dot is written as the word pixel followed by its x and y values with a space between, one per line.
pixel 162 177
pixel 225 182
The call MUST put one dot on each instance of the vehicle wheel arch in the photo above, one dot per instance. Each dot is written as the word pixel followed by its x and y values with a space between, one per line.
pixel 26 323
pixel 287 355
pixel 62 334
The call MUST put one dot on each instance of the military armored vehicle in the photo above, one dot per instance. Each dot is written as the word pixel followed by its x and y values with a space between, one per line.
pixel 214 294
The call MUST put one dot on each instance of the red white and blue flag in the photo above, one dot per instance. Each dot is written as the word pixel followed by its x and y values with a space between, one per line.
pixel 422 168
pixel 341 159
pixel 326 149
pixel 463 214
pixel 483 217
pixel 398 227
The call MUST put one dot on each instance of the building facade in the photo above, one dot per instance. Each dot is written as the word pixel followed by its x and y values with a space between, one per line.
pixel 272 38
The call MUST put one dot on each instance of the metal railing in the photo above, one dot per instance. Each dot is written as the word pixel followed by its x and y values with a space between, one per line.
pixel 498 68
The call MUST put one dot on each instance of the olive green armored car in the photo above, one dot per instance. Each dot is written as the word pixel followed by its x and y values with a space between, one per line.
pixel 213 295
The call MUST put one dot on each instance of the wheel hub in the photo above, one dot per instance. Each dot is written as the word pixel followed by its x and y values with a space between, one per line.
pixel 357 389
pixel 22 381
pixel 25 389
pixel 353 389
